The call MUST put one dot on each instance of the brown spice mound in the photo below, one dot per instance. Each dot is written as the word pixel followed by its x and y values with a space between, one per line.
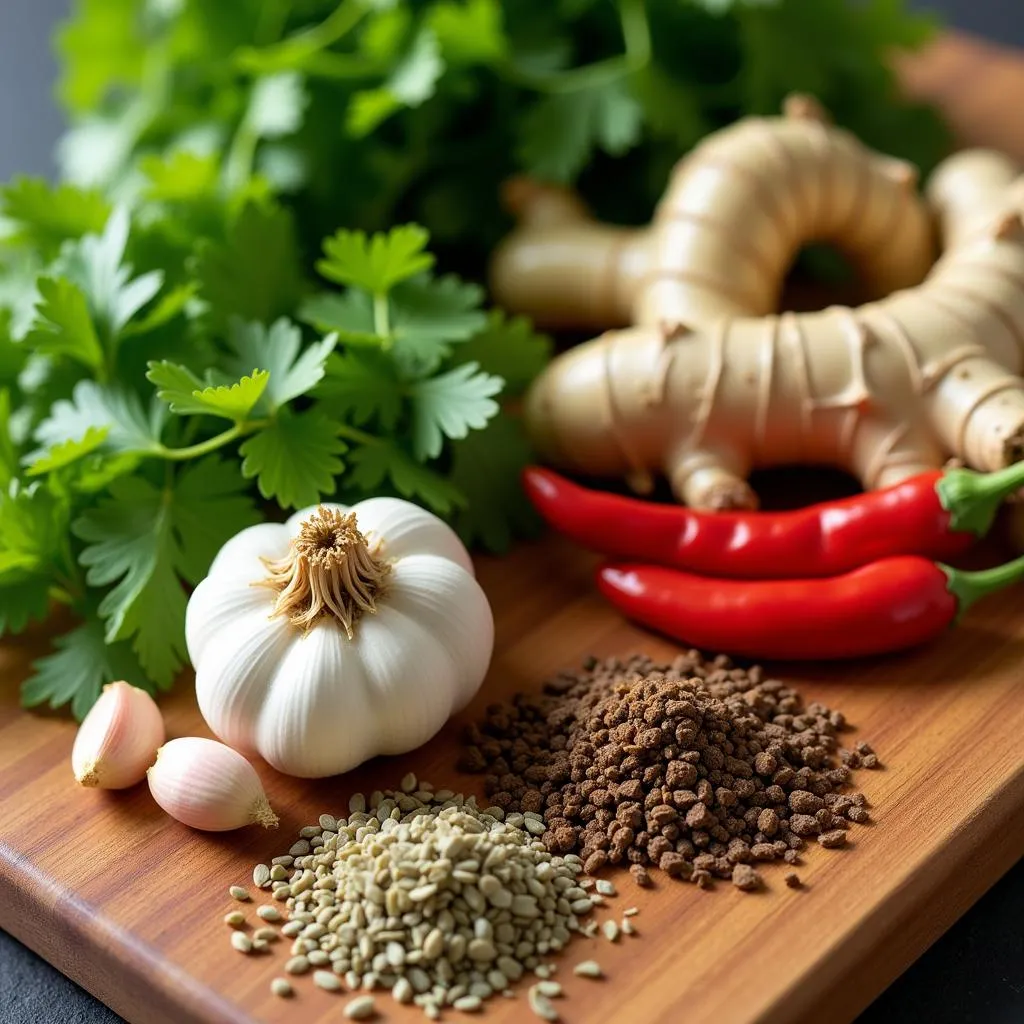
pixel 696 767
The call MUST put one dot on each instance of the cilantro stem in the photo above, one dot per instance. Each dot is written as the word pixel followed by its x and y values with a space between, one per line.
pixel 194 451
pixel 382 317
pixel 636 34
pixel 291 54
pixel 355 434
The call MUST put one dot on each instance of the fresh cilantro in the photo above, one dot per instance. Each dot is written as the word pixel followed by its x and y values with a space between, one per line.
pixel 509 348
pixel 186 395
pixel 470 32
pixel 75 673
pixel 450 405
pixel 63 324
pixel 256 273
pixel 486 467
pixel 376 466
pixel 362 385
pixel 96 265
pixel 64 453
pixel 23 602
pixel 562 131
pixel 48 215
pixel 130 428
pixel 378 263
pixel 138 539
pixel 277 349
pixel 295 459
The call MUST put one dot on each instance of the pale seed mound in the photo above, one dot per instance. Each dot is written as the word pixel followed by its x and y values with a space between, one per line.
pixel 427 895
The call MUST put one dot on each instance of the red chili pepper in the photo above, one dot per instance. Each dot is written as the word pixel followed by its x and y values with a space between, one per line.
pixel 888 605
pixel 937 515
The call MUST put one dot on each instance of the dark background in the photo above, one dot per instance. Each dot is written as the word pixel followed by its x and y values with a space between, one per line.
pixel 972 975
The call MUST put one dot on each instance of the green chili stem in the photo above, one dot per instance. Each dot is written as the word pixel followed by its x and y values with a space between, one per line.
pixel 969 587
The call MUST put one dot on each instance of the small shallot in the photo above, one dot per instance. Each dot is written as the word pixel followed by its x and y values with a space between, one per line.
pixel 118 739
pixel 209 786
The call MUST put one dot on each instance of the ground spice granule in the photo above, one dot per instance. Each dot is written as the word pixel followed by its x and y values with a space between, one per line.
pixel 697 767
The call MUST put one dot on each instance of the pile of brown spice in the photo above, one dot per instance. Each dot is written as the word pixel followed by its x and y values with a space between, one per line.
pixel 698 767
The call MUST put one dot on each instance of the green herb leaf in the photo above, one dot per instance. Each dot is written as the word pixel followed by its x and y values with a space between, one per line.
pixel 78 669
pixel 64 453
pixel 486 467
pixel 375 264
pixel 63 324
pixel 373 466
pixel 48 215
pixel 507 347
pixel 96 265
pixel 450 405
pixel 470 32
pixel 255 274
pixel 560 133
pixel 186 395
pixel 296 458
pixel 129 427
pixel 138 539
pixel 360 386
pixel 22 603
pixel 278 349
pixel 276 105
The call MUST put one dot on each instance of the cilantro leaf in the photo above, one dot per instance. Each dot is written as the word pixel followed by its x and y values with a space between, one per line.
pixel 48 215
pixel 508 347
pixel 32 524
pixel 96 264
pixel 378 263
pixel 180 177
pixel 450 405
pixel 560 133
pixel 8 452
pixel 426 317
pixel 139 540
pixel 211 505
pixel 470 32
pixel 166 308
pixel 185 393
pixel 373 466
pixel 296 458
pixel 349 314
pixel 23 602
pixel 129 427
pixel 278 349
pixel 255 274
pixel 63 325
pixel 486 467
pixel 79 667
pixel 360 386
pixel 411 83
pixel 66 452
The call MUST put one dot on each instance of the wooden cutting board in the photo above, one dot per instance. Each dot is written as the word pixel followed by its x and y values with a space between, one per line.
pixel 129 903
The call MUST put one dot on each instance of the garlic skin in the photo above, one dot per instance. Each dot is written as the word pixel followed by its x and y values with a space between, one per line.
pixel 118 739
pixel 208 786
pixel 318 673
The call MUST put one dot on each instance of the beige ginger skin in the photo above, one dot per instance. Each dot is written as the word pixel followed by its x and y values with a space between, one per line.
pixel 710 382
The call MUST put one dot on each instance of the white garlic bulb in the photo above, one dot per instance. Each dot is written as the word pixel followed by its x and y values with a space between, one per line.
pixel 338 635
pixel 206 785
pixel 118 739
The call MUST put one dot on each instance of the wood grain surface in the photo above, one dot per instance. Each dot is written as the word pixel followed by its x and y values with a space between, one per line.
pixel 129 903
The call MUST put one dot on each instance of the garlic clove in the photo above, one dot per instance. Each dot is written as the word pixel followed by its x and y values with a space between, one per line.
pixel 118 739
pixel 207 785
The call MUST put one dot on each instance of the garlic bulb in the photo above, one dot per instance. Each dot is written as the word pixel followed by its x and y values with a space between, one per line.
pixel 338 635
pixel 118 739
pixel 208 786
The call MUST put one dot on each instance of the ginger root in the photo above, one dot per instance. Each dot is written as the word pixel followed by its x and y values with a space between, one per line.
pixel 710 383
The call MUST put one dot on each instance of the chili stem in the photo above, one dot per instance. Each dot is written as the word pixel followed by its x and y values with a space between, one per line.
pixel 973 499
pixel 968 587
